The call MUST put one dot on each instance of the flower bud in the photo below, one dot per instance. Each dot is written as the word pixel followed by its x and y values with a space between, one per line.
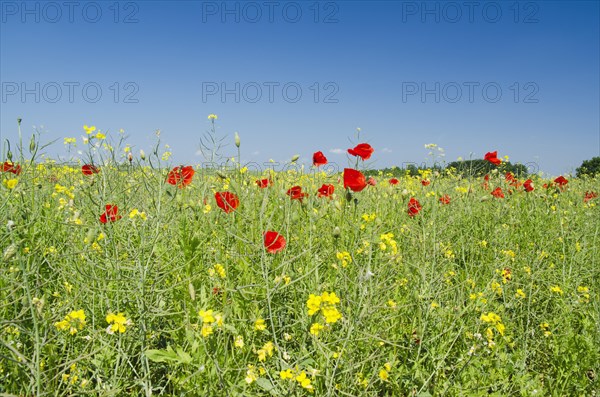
pixel 32 144
pixel 237 139
pixel 336 232
pixel 295 158
pixel 142 155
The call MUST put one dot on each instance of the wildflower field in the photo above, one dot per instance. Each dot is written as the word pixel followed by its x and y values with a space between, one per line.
pixel 125 275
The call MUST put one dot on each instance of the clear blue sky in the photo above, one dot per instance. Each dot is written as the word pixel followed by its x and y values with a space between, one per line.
pixel 371 62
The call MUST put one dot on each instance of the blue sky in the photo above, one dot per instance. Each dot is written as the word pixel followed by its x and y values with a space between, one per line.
pixel 517 77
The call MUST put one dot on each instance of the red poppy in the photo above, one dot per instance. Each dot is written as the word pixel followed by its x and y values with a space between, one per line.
pixel 274 242
pixel 181 176
pixel 561 181
pixel 263 183
pixel 528 185
pixel 486 177
pixel 353 179
pixel 362 150
pixel 319 159
pixel 445 199
pixel 296 193
pixel 394 181
pixel 497 192
pixel 589 196
pixel 326 191
pixel 227 201
pixel 414 207
pixel 11 167
pixel 371 181
pixel 89 169
pixel 492 157
pixel 110 214
pixel 425 182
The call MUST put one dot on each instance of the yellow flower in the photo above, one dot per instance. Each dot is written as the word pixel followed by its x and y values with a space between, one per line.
pixel 556 289
pixel 117 323
pixel 267 350
pixel 392 304
pixel 10 183
pixel 520 293
pixel 212 116
pixel 239 342
pixel 207 330
pixel 316 328
pixel 207 316
pixel 73 322
pixel 286 374
pixel 383 375
pixel 344 257
pixel 251 375
pixel 220 270
pixel 100 136
pixel 313 304
pixel 89 130
pixel 68 141
pixel 303 380
pixel 259 325
pixel 206 209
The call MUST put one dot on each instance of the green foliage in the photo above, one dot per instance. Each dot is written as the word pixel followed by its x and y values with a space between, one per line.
pixel 480 167
pixel 589 167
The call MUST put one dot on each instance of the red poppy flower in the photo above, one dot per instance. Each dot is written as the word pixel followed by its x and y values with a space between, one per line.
pixel 295 193
pixel 497 192
pixel 486 177
pixel 110 214
pixel 589 196
pixel 227 201
pixel 89 169
pixel 394 181
pixel 319 159
pixel 528 185
pixel 425 182
pixel 362 150
pixel 492 157
pixel 445 199
pixel 181 176
pixel 414 207
pixel 561 181
pixel 11 167
pixel 354 180
pixel 371 181
pixel 274 242
pixel 326 191
pixel 263 183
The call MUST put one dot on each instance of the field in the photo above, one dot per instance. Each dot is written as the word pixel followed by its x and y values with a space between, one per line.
pixel 138 277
